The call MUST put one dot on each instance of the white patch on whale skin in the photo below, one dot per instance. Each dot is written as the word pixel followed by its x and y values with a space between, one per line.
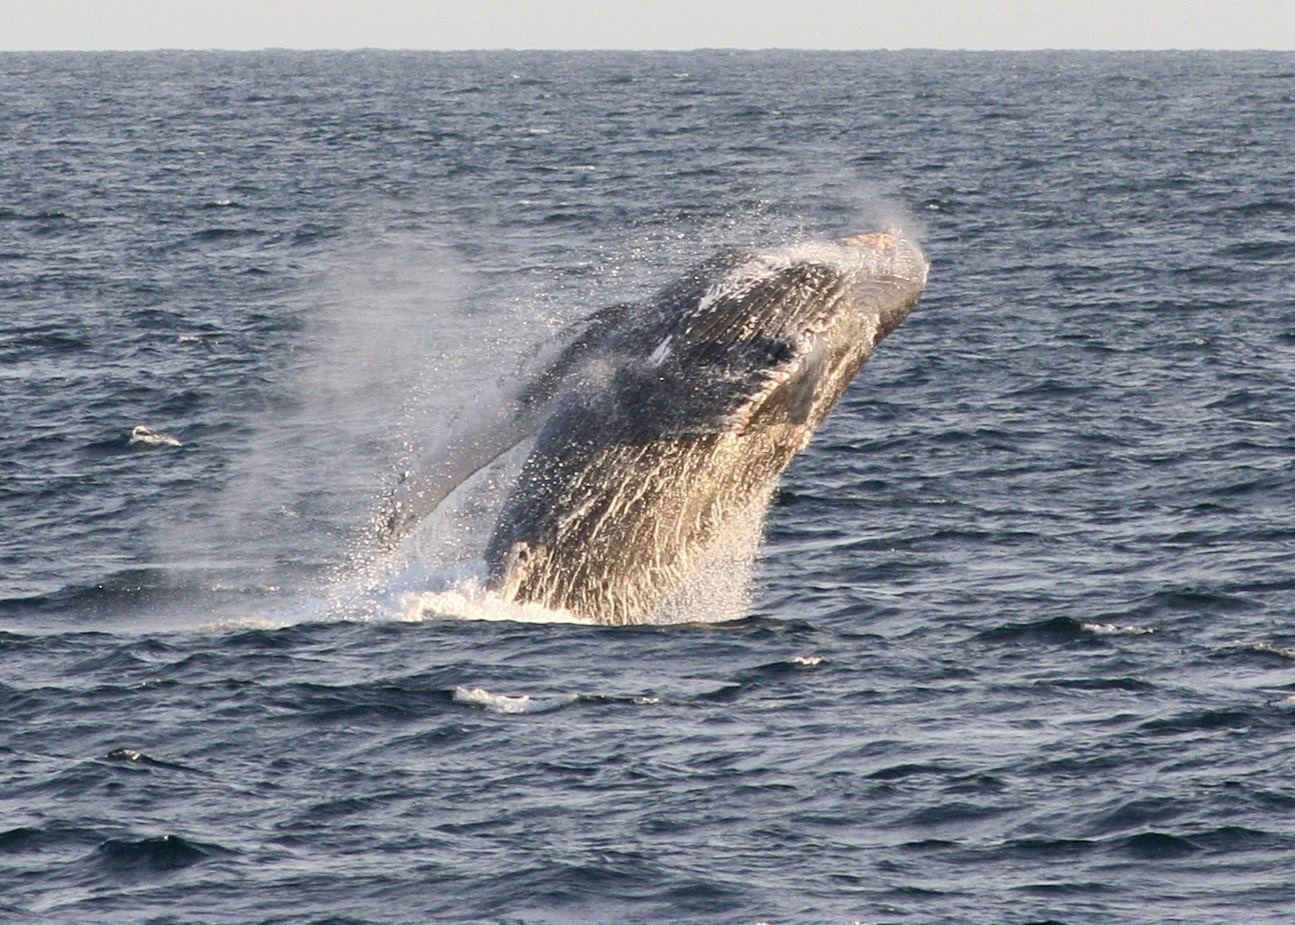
pixel 661 353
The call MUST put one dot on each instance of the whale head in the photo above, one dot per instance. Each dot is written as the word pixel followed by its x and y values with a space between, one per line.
pixel 889 273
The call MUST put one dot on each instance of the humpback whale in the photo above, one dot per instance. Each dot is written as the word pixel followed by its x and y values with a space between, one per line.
pixel 662 421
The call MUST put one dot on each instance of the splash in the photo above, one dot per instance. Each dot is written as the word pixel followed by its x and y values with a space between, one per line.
pixel 466 599
pixel 399 338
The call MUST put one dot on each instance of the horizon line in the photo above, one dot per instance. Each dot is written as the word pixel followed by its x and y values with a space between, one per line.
pixel 690 49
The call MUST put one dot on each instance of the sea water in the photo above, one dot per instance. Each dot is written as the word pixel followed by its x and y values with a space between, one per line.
pixel 1018 645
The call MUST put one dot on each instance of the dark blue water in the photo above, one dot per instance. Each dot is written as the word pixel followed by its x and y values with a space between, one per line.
pixel 1020 643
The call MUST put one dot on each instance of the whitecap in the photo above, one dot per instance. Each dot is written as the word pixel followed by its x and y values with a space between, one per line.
pixel 1113 629
pixel 510 703
pixel 141 434
pixel 807 661
pixel 495 703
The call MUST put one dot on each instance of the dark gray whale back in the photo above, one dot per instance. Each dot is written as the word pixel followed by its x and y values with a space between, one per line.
pixel 668 419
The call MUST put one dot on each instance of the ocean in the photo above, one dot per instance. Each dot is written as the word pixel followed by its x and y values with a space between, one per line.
pixel 1018 643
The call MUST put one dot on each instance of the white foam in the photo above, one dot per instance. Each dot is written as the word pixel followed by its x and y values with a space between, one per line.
pixel 141 434
pixel 468 600
pixel 1113 629
pixel 510 703
pixel 495 703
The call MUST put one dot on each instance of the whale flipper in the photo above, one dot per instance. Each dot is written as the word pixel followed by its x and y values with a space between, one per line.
pixel 466 451
pixel 454 461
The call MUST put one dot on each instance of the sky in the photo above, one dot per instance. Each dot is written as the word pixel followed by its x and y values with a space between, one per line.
pixel 27 25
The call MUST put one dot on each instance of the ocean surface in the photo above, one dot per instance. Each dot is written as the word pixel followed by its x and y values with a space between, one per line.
pixel 1019 644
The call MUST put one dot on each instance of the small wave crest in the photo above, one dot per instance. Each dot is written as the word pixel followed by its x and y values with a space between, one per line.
pixel 1060 630
pixel 133 758
pixel 1269 648
pixel 162 852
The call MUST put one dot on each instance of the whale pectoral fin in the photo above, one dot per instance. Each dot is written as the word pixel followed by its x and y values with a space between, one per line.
pixel 454 462
pixel 463 453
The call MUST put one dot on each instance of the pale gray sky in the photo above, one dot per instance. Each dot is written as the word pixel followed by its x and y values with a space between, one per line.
pixel 438 24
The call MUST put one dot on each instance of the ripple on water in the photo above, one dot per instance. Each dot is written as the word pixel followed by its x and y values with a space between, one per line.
pixel 1018 646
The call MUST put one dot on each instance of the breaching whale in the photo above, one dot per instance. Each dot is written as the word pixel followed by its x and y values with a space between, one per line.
pixel 662 421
